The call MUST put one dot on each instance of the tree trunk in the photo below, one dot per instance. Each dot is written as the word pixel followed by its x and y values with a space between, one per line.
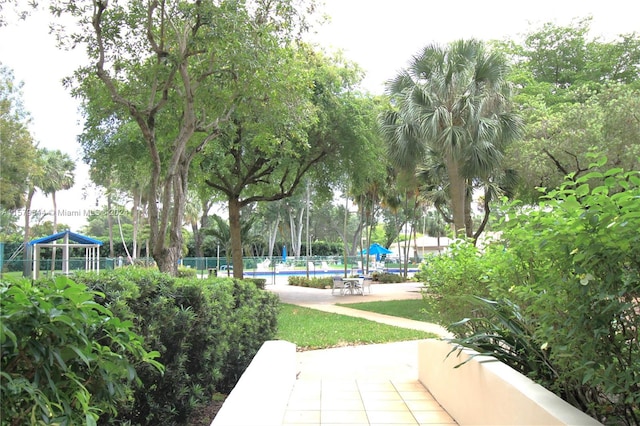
pixel 273 235
pixel 26 265
pixel 169 219
pixel 468 217
pixel 236 242
pixel 55 230
pixel 299 228
pixel 485 218
pixel 167 260
pixel 112 253
pixel 135 214
pixel 457 193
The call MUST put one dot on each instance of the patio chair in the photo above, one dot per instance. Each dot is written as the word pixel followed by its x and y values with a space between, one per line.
pixel 338 284
pixel 366 284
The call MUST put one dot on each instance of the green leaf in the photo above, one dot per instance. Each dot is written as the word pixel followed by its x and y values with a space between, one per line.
pixel 582 190
pixel 570 203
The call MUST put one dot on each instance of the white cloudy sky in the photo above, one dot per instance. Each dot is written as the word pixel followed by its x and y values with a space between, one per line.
pixel 380 35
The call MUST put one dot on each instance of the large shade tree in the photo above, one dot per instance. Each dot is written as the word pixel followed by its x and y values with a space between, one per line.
pixel 307 124
pixel 177 69
pixel 452 105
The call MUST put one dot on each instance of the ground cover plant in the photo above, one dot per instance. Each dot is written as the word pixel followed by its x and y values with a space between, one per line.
pixel 312 329
pixel 561 293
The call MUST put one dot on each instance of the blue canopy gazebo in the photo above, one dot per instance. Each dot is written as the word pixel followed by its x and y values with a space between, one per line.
pixel 70 240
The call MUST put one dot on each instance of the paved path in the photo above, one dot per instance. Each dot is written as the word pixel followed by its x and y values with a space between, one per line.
pixel 366 384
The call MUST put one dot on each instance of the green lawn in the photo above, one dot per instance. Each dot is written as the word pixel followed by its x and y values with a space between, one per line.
pixel 412 309
pixel 313 329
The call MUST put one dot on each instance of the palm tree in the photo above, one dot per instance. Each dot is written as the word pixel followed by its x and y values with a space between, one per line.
pixel 452 103
pixel 59 168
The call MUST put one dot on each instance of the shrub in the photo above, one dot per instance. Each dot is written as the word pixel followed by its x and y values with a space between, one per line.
pixel 187 272
pixel 206 332
pixel 300 281
pixel 65 358
pixel 450 278
pixel 584 288
pixel 386 278
pixel 572 267
pixel 500 330
pixel 258 282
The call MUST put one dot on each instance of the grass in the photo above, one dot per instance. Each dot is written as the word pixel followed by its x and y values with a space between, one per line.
pixel 313 329
pixel 412 309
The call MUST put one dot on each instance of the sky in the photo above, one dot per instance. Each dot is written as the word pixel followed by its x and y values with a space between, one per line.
pixel 380 35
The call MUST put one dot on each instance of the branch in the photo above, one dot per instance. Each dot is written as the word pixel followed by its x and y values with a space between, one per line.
pixel 287 193
pixel 559 166
pixel 485 219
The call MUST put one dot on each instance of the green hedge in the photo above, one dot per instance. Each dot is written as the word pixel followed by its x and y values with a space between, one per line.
pixel 206 331
pixel 325 282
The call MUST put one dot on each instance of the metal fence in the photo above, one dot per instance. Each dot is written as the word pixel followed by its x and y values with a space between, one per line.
pixel 209 265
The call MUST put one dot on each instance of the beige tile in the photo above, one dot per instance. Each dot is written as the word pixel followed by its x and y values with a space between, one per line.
pixel 380 396
pixel 334 395
pixel 299 424
pixel 433 417
pixel 339 385
pixel 394 424
pixel 413 386
pixel 391 417
pixel 301 416
pixel 423 405
pixel 348 424
pixel 385 386
pixel 385 405
pixel 303 404
pixel 342 404
pixel 305 392
pixel 343 416
pixel 416 396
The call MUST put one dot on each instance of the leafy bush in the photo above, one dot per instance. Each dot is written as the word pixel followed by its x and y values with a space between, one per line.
pixel 450 278
pixel 187 272
pixel 386 278
pixel 65 358
pixel 500 330
pixel 301 281
pixel 572 266
pixel 258 282
pixel 586 288
pixel 207 332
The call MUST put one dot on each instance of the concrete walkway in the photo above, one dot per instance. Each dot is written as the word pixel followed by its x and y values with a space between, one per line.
pixel 366 384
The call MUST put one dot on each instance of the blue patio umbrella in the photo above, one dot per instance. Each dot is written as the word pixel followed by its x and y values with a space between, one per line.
pixel 284 253
pixel 376 249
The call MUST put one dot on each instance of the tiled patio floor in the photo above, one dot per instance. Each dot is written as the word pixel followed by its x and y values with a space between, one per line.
pixel 379 386
pixel 363 402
